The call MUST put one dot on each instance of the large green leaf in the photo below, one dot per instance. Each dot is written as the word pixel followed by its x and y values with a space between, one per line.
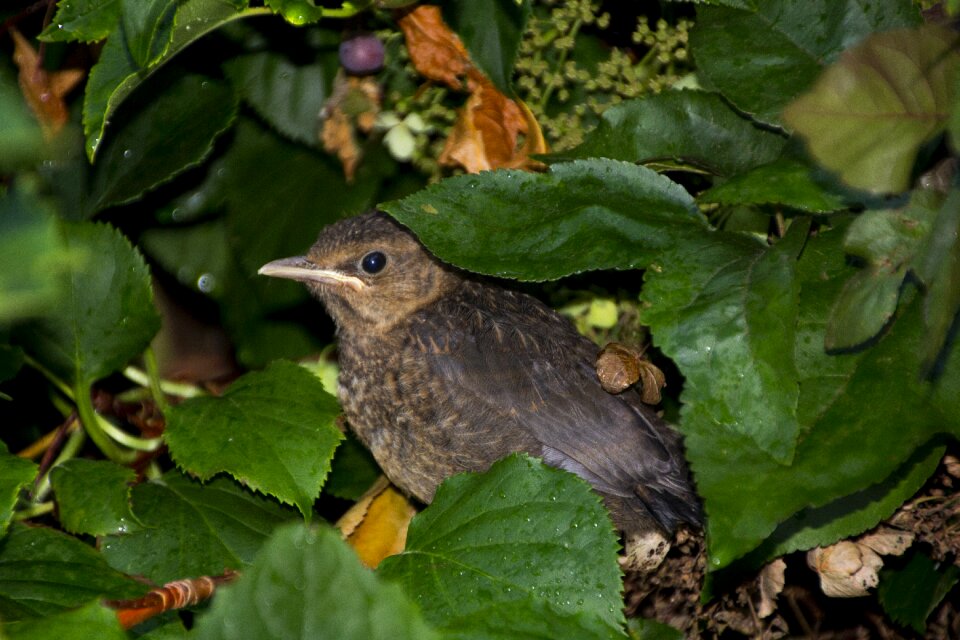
pixel 861 415
pixel 870 112
pixel 287 96
pixel 581 215
pixel 491 30
pixel 171 133
pixel 15 474
pixel 92 620
pixel 853 514
pixel 193 529
pixel 147 26
pixel 105 315
pixel 689 128
pixel 43 571
pixel 521 550
pixel 93 496
pixel 83 20
pixel 725 309
pixel 781 45
pixel 117 73
pixel 197 255
pixel 273 430
pixel 307 583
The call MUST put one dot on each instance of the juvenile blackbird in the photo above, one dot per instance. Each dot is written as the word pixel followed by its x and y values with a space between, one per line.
pixel 442 373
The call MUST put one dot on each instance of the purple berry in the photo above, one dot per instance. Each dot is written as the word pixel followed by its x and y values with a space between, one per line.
pixel 361 54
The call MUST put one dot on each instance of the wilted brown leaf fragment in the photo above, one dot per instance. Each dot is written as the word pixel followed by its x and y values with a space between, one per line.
pixel 43 90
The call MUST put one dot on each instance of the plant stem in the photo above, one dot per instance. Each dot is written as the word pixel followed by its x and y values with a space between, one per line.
pixel 153 374
pixel 91 422
pixel 167 387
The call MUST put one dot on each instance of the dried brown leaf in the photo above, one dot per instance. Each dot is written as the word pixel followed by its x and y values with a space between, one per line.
pixel 435 50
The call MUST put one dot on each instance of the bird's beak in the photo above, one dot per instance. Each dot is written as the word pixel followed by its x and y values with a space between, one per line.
pixel 301 269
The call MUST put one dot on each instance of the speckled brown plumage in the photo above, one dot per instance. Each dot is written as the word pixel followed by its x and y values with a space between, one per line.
pixel 442 373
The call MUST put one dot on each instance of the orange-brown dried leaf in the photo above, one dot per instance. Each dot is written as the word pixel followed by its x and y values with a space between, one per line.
pixel 618 367
pixel 376 526
pixel 486 134
pixel 43 91
pixel 435 50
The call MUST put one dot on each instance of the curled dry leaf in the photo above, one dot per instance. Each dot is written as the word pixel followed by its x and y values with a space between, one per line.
pixel 848 569
pixel 619 366
pixel 487 133
pixel 771 581
pixel 43 90
pixel 376 526
pixel 436 52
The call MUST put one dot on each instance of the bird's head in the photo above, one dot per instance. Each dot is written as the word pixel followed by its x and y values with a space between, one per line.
pixel 369 271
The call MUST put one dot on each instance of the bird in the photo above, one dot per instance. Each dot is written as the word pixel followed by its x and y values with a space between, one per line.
pixel 443 372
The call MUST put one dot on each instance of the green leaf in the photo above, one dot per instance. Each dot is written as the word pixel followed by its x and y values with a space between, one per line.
pixel 92 620
pixel 865 306
pixel 911 593
pixel 353 470
pixel 785 181
pixel 888 241
pixel 287 96
pixel 32 257
pixel 691 128
pixel 93 496
pixel 521 550
pixel 21 138
pixel 491 30
pixel 15 474
pixel 861 415
pixel 938 265
pixel 307 583
pixel 43 571
pixel 172 133
pixel 296 12
pixel 582 215
pixel 193 529
pixel 781 45
pixel 147 26
pixel 105 315
pixel 272 430
pixel 853 514
pixel 117 74
pixel 870 112
pixel 83 20
pixel 725 310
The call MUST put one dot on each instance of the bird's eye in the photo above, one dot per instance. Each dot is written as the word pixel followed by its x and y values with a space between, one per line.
pixel 373 262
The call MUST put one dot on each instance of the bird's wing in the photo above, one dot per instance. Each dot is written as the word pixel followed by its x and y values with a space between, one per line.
pixel 530 372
